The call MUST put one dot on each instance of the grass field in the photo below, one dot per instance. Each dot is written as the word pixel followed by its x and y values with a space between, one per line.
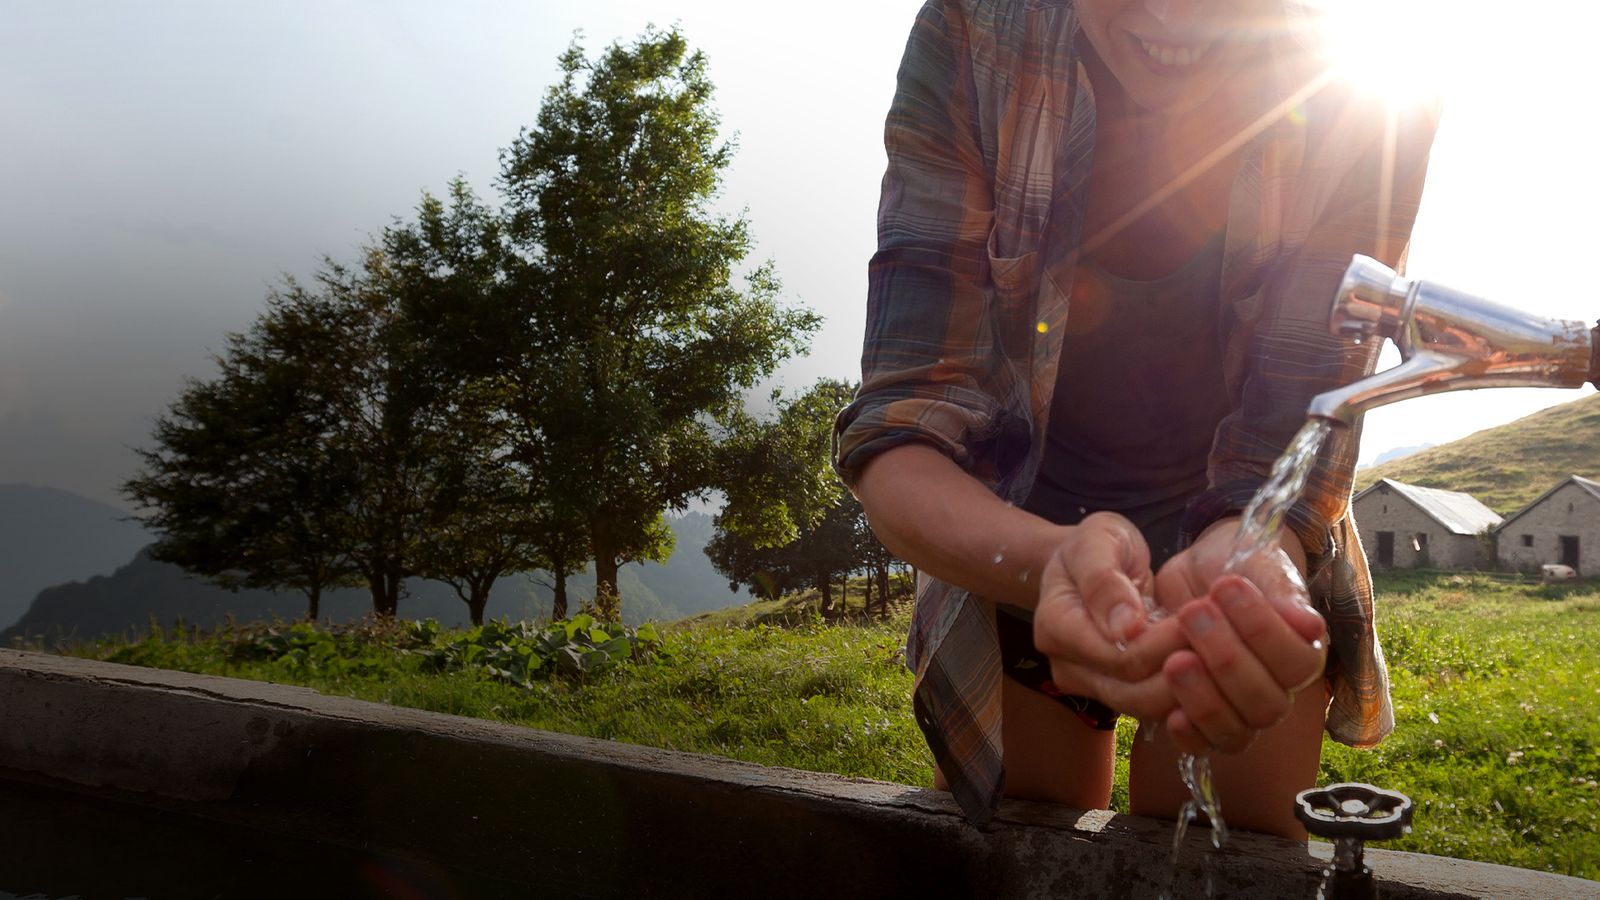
pixel 1496 686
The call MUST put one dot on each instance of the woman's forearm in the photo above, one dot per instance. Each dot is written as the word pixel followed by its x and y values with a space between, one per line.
pixel 932 514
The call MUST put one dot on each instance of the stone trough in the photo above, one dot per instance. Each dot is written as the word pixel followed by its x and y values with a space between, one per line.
pixel 242 787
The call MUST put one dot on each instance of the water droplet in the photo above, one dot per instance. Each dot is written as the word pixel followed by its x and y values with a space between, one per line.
pixel 1316 645
pixel 999 558
pixel 1024 576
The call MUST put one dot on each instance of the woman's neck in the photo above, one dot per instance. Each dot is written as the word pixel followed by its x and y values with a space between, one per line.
pixel 1160 184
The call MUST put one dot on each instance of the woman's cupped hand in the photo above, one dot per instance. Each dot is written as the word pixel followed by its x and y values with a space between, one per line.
pixel 1215 657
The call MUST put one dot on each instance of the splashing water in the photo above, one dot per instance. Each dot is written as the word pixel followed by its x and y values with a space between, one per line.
pixel 1258 531
pixel 1264 516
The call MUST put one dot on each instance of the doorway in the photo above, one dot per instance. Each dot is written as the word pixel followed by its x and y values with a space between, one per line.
pixel 1386 549
pixel 1569 551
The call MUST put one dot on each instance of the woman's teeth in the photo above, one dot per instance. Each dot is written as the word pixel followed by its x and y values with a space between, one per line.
pixel 1174 54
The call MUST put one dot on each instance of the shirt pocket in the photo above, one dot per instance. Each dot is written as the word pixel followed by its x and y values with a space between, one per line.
pixel 1015 278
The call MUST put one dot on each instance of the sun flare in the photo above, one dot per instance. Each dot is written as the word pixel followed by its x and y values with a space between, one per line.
pixel 1407 51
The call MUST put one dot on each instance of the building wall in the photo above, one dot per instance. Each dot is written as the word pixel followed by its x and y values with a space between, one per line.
pixel 1386 510
pixel 1569 510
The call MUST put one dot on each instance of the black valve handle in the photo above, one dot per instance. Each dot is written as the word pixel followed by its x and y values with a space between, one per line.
pixel 1353 810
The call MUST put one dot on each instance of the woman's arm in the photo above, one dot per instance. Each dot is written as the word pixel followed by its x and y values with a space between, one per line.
pixel 1092 577
pixel 931 513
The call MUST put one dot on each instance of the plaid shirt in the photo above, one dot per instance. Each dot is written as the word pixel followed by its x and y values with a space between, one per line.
pixel 992 122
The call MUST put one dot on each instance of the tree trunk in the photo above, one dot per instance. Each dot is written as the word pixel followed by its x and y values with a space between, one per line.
pixel 386 594
pixel 480 596
pixel 883 590
pixel 558 609
pixel 607 602
pixel 825 585
pixel 313 602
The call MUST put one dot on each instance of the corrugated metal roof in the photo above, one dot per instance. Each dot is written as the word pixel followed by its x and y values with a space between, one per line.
pixel 1458 512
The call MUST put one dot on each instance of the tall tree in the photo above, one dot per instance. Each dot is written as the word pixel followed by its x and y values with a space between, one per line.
pixel 314 448
pixel 244 483
pixel 446 273
pixel 821 553
pixel 788 523
pixel 637 336
pixel 775 473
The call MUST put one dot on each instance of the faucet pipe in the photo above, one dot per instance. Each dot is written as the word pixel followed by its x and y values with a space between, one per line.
pixel 1449 340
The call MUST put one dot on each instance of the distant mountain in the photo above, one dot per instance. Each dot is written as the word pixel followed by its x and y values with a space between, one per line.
pixel 49 536
pixel 1395 453
pixel 124 601
pixel 1508 466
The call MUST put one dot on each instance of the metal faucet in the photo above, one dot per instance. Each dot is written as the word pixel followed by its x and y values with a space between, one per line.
pixel 1448 341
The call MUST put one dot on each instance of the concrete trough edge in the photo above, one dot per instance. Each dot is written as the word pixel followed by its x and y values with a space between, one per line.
pixel 586 817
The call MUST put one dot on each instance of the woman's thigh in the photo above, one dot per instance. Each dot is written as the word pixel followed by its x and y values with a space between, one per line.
pixel 1050 754
pixel 1256 787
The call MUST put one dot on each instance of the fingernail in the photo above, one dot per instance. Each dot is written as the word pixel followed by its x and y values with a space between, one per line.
pixel 1232 594
pixel 1198 622
pixel 1121 619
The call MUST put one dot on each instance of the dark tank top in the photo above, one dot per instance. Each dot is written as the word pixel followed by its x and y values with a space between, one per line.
pixel 1139 393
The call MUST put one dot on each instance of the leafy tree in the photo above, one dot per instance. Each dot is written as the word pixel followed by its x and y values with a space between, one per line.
pixel 315 449
pixel 820 554
pixel 788 523
pixel 390 419
pixel 481 520
pixel 558 530
pixel 636 337
pixel 776 474
pixel 876 559
pixel 447 274
pixel 244 484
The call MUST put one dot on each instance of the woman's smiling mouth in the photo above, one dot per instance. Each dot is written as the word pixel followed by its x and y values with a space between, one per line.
pixel 1167 58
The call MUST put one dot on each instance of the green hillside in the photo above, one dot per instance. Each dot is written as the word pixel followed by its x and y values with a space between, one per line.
pixel 1508 466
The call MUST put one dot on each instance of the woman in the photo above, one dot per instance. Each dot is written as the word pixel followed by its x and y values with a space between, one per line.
pixel 1109 235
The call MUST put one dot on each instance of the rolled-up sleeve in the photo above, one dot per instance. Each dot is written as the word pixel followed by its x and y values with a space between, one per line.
pixel 1292 354
pixel 928 354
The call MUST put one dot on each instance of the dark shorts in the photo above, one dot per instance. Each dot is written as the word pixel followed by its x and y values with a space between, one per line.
pixel 1024 664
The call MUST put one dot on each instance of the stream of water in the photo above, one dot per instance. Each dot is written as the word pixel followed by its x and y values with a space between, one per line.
pixel 1258 532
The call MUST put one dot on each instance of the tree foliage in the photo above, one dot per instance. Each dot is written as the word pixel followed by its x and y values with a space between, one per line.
pixel 638 337
pixel 788 523
pixel 246 483
pixel 776 474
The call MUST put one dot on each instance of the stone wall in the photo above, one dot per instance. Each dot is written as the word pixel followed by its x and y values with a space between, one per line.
pixel 551 815
pixel 1568 510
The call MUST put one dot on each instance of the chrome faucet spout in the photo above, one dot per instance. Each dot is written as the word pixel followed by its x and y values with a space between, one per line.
pixel 1448 341
pixel 1414 377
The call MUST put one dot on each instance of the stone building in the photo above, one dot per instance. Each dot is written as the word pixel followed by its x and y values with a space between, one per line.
pixel 1562 526
pixel 1405 526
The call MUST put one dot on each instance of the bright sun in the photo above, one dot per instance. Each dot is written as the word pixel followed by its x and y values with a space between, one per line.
pixel 1405 50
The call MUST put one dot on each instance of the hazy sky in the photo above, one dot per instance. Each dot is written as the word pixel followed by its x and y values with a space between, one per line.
pixel 162 163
